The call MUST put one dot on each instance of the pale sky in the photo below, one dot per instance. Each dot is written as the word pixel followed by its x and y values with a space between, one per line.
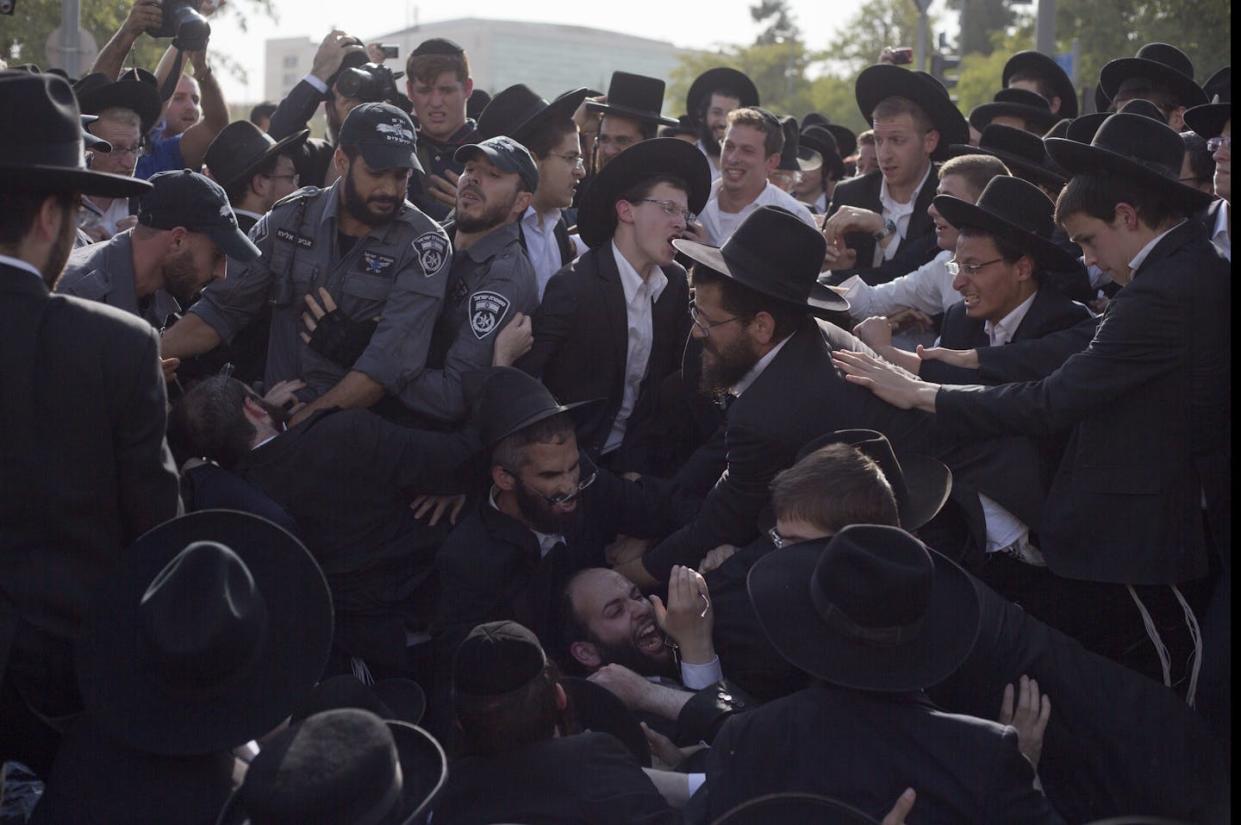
pixel 690 23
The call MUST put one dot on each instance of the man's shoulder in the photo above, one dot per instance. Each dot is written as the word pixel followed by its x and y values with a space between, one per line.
pixel 307 195
pixel 853 187
pixel 87 318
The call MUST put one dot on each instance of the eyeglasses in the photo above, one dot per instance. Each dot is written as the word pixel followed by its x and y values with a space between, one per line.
pixel 588 472
pixel 671 209
pixel 574 159
pixel 955 268
pixel 118 149
pixel 706 324
pixel 1217 143
pixel 621 143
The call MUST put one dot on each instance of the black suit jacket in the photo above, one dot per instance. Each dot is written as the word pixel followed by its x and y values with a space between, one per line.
pixel 1148 403
pixel 1050 312
pixel 569 780
pixel 800 396
pixel 918 245
pixel 84 467
pixel 865 749
pixel 581 340
pixel 314 156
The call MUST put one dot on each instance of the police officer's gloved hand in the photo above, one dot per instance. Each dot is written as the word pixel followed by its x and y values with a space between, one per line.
pixel 341 339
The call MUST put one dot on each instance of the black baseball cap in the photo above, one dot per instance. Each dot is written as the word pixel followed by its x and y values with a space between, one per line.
pixel 383 134
pixel 197 203
pixel 506 155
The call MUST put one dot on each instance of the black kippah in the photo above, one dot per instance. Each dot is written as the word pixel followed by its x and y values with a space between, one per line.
pixel 438 45
pixel 496 658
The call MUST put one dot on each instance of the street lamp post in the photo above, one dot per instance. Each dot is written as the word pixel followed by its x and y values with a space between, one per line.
pixel 924 34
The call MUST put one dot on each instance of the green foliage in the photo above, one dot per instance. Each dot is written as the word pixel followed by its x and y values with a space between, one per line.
pixel 878 23
pixel 777 69
pixel 780 27
pixel 980 21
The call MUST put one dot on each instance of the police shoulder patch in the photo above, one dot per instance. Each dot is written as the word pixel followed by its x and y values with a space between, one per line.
pixel 487 309
pixel 432 249
pixel 297 195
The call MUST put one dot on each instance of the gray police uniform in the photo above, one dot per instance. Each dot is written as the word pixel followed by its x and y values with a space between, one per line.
pixel 489 283
pixel 104 272
pixel 397 275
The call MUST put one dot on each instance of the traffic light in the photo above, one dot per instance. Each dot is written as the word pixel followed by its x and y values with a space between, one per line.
pixel 943 68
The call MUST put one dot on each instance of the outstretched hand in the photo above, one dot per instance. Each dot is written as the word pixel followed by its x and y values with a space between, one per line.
pixel 1029 717
pixel 897 386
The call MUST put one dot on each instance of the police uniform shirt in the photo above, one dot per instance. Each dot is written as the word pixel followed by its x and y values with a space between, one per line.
pixel 104 272
pixel 396 274
pixel 489 283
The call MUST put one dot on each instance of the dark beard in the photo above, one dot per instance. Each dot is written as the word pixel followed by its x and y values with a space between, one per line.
pixel 58 255
pixel 179 278
pixel 539 514
pixel 629 656
pixel 708 140
pixel 726 367
pixel 359 209
pixel 491 218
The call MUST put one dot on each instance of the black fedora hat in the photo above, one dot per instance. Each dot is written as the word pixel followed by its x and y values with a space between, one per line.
pixel 1208 119
pixel 214 626
pixel 846 140
pixel 1159 63
pixel 1041 65
pixel 510 400
pixel 1022 152
pixel 793 156
pixel 596 708
pixel 1061 129
pixel 1101 101
pixel 1133 146
pixel 476 103
pixel 634 96
pixel 44 147
pixel 402 700
pixel 241 148
pixel 717 79
pixel 821 140
pixel 93 143
pixel 794 808
pixel 1082 129
pixel 815 119
pixel 659 157
pixel 684 126
pixel 345 765
pixel 871 608
pixel 920 483
pixel 775 253
pixel 135 90
pixel 884 80
pixel 1031 107
pixel 1016 211
pixel 518 112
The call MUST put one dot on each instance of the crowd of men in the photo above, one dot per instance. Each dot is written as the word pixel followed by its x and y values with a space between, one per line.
pixel 504 459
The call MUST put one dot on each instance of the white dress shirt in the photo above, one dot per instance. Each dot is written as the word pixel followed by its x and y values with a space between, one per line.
pixel 541 245
pixel 721 225
pixel 91 215
pixel 18 263
pixel 640 297
pixel 1001 332
pixel 927 289
pixel 1220 235
pixel 898 213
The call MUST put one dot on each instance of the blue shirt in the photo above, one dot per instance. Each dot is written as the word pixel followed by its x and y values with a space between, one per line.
pixel 162 154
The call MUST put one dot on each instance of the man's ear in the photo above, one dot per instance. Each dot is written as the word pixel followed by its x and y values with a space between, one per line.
pixel 930 141
pixel 341 161
pixel 763 328
pixel 586 655
pixel 252 410
pixel 562 701
pixel 1025 268
pixel 1126 216
pixel 773 163
pixel 521 204
pixel 624 212
pixel 502 479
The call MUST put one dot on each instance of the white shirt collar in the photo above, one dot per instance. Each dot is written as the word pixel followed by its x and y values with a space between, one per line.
pixel 1219 235
pixel 546 540
pixel 257 216
pixel 1002 331
pixel 632 282
pixel 531 218
pixel 757 370
pixel 893 208
pixel 20 264
pixel 1145 251
pixel 264 441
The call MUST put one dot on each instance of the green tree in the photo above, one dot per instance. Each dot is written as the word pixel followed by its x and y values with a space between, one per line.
pixel 980 20
pixel 23 36
pixel 878 23
pixel 778 70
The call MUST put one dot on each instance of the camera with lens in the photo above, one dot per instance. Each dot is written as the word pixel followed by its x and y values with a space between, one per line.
pixel 371 83
pixel 183 20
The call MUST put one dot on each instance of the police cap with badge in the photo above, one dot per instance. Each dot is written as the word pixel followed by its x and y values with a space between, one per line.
pixel 197 203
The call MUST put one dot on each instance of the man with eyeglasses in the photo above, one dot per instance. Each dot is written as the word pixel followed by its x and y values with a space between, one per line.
pixel 102 217
pixel 254 169
pixel 612 325
pixel 1213 123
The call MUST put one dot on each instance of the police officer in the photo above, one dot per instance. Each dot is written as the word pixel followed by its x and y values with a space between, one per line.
pixel 491 282
pixel 185 229
pixel 376 255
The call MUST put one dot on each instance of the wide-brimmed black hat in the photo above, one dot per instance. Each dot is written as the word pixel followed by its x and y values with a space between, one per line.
pixel 1041 65
pixel 775 253
pixel 476 103
pixel 1160 63
pixel 713 80
pixel 884 80
pixel 684 126
pixel 846 140
pixel 793 156
pixel 1022 152
pixel 821 140
pixel 213 627
pixel 1136 147
pixel 598 709
pixel 659 157
pixel 1016 211
pixel 519 113
pixel 1083 128
pixel 1061 129
pixel 347 765
pixel 634 96
pixel 1208 119
pixel 510 400
pixel 871 608
pixel 794 808
pixel 43 144
pixel 95 144
pixel 1031 107
pixel 400 699
pixel 241 148
pixel 920 483
pixel 135 90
